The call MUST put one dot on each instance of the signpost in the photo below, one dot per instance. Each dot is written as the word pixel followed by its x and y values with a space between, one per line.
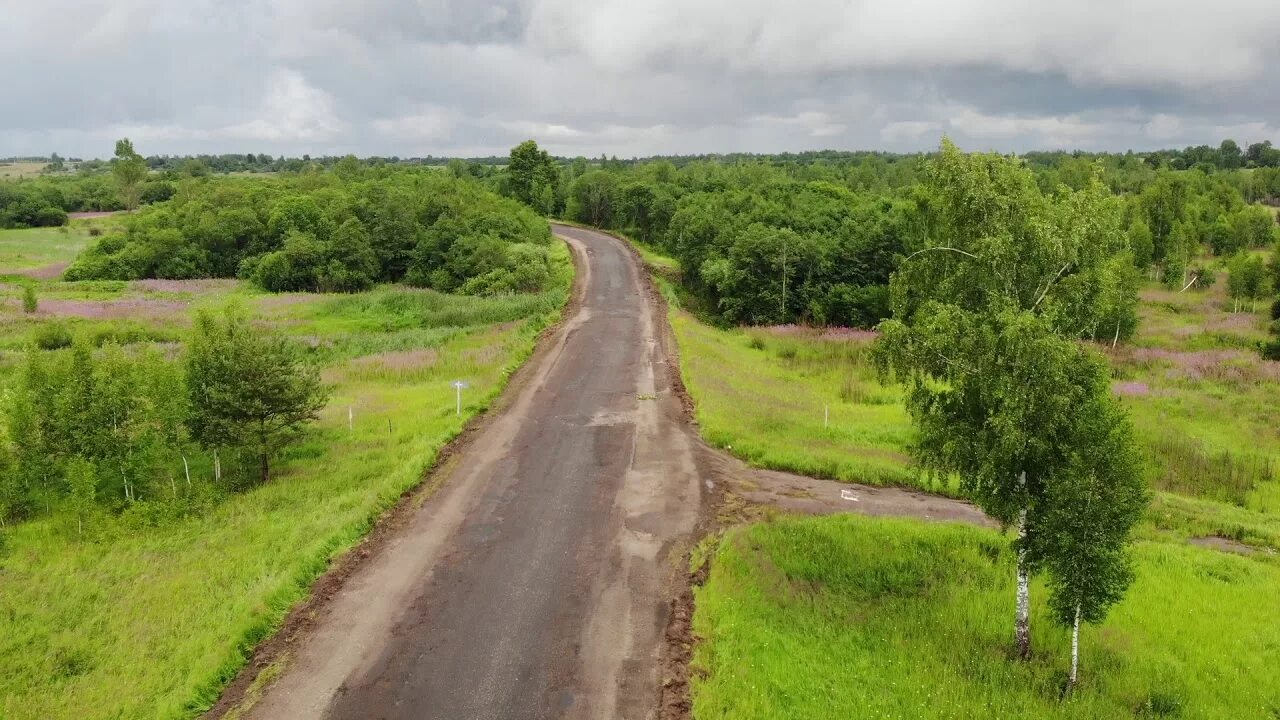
pixel 458 385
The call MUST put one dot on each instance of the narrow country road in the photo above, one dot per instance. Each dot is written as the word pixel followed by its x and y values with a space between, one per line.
pixel 533 583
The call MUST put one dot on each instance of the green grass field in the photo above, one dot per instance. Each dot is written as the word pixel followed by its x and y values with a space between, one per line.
pixel 151 616
pixel 30 249
pixel 847 616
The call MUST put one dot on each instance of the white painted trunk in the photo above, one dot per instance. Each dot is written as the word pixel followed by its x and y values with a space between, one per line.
pixel 1075 650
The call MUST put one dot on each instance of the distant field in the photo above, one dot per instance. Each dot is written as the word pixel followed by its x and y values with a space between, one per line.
pixel 151 616
pixel 848 616
pixel 26 250
pixel 21 169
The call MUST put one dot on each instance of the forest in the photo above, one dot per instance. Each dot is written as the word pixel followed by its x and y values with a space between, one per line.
pixel 814 238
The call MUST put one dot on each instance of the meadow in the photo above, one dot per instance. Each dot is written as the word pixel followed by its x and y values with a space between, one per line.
pixel 899 618
pixel 153 612
pixel 44 252
pixel 849 616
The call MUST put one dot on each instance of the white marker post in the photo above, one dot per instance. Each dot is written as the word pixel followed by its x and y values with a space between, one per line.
pixel 457 386
pixel 826 415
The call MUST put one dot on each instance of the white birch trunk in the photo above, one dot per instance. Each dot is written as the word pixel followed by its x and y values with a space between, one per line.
pixel 1022 623
pixel 1075 651
pixel 186 469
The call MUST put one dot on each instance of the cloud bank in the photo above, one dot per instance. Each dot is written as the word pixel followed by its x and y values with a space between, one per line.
pixel 630 77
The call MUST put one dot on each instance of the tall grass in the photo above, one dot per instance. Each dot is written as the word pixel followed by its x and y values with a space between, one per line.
pixel 797 403
pixel 847 616
pixel 1185 466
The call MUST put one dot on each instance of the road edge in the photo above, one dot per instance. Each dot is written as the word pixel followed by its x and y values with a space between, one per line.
pixel 271 656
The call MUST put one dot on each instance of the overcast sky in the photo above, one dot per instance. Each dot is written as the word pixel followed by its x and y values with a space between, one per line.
pixel 633 77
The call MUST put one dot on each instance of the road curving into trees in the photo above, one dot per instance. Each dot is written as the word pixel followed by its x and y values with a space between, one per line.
pixel 533 584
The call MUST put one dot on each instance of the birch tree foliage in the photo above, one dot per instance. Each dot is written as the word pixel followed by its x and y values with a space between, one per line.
pixel 985 326
pixel 1084 521
pixel 984 320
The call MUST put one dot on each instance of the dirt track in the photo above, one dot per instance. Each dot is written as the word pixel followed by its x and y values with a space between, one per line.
pixel 537 581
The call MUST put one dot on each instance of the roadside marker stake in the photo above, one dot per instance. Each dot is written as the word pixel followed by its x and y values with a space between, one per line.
pixel 457 386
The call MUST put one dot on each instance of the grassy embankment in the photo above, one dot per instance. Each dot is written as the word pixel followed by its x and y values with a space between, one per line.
pixel 149 619
pixel 826 617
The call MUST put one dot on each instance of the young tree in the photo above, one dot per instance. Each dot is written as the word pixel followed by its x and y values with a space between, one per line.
pixel 32 417
pixel 1247 279
pixel 249 388
pixel 82 481
pixel 1085 519
pixel 984 334
pixel 30 303
pixel 129 169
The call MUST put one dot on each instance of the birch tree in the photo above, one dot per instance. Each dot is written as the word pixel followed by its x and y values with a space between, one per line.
pixel 1088 513
pixel 984 334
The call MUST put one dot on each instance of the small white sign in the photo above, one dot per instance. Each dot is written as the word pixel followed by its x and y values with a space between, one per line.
pixel 846 494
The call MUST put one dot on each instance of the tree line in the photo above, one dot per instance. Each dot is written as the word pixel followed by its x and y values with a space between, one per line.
pixel 815 237
pixel 336 230
pixel 100 431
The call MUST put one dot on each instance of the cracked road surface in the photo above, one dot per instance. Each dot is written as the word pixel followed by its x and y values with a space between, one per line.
pixel 532 584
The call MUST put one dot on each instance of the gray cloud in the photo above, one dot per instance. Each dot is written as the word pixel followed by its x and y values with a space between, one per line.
pixel 412 77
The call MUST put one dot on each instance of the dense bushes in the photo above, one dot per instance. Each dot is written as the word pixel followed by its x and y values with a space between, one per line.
pixel 45 202
pixel 107 428
pixel 332 231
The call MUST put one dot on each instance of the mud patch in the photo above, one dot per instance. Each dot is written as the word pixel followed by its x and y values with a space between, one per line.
pixel 112 309
pixel 1217 542
pixel 45 272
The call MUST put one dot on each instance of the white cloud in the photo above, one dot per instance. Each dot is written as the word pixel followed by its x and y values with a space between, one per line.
pixel 1163 127
pixel 909 130
pixel 1065 131
pixel 427 122
pixel 291 110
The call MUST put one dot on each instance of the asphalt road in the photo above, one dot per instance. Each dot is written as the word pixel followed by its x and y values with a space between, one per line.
pixel 533 583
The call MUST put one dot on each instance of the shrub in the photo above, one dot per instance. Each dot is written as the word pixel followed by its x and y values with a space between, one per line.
pixel 49 217
pixel 53 336
pixel 1275 309
pixel 1271 349
pixel 29 301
